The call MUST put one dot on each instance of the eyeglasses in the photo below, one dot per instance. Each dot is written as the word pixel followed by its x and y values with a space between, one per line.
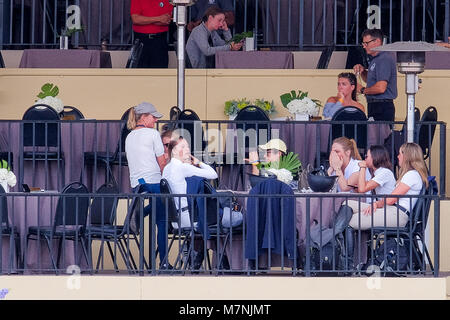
pixel 367 43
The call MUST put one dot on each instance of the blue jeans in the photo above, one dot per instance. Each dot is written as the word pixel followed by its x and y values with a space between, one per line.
pixel 161 220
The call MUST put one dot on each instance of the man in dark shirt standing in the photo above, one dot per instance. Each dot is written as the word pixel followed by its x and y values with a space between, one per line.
pixel 151 19
pixel 380 77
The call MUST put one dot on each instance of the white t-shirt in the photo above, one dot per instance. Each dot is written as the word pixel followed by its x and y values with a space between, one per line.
pixel 142 147
pixel 386 180
pixel 350 169
pixel 413 180
pixel 176 172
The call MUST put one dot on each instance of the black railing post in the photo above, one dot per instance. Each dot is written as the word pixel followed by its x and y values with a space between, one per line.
pixel 436 235
pixel 442 158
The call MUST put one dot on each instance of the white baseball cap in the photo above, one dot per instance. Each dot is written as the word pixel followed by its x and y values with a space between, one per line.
pixel 146 107
pixel 277 144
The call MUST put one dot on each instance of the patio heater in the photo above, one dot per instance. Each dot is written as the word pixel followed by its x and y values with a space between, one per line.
pixel 180 17
pixel 411 62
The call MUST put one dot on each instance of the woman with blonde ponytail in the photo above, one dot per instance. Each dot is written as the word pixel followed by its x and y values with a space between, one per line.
pixel 394 212
pixel 344 159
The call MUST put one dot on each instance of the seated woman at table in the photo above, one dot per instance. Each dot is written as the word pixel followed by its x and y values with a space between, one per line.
pixel 413 175
pixel 204 41
pixel 181 166
pixel 275 148
pixel 379 164
pixel 344 163
pixel 346 96
pixel 145 157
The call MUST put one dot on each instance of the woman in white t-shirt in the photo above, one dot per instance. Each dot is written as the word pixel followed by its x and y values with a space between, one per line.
pixel 145 158
pixel 344 159
pixel 412 176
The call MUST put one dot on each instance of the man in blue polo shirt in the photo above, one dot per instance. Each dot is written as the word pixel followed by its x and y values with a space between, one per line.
pixel 380 77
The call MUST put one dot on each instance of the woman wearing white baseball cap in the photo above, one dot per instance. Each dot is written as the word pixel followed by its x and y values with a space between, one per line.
pixel 275 148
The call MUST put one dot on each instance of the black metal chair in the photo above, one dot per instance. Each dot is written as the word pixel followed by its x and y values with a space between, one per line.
pixel 72 113
pixel 109 159
pixel 173 116
pixel 248 120
pixel 69 222
pixel 413 231
pixel 214 224
pixel 120 235
pixel 12 232
pixel 425 132
pixel 102 213
pixel 135 54
pixel 189 127
pixel 358 132
pixel 41 139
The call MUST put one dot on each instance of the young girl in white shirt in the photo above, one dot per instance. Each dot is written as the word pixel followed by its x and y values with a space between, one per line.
pixel 412 176
pixel 344 159
pixel 181 166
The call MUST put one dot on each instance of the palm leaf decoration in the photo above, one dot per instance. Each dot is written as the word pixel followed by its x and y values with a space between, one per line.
pixel 289 162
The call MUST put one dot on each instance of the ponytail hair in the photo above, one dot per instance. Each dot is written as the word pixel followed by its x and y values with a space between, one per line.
pixel 349 144
pixel 133 118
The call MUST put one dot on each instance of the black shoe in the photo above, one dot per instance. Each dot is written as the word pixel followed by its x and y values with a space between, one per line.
pixel 198 260
pixel 165 266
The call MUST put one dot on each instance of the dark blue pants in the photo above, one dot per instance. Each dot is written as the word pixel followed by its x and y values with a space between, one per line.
pixel 160 218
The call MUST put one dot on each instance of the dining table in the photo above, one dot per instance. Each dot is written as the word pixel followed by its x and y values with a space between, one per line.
pixel 254 60
pixel 72 58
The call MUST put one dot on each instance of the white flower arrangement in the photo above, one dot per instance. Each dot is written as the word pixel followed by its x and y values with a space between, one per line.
pixel 283 175
pixel 303 106
pixel 53 102
pixel 300 103
pixel 48 96
pixel 6 174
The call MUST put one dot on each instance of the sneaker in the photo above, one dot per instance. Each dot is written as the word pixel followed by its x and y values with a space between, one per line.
pixel 165 266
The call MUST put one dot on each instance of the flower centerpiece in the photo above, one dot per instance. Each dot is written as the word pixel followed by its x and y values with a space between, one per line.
pixel 300 105
pixel 7 177
pixel 232 107
pixel 283 169
pixel 48 96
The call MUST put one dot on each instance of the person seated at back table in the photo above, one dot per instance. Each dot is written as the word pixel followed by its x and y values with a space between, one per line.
pixel 275 148
pixel 346 96
pixel 344 163
pixel 204 41
pixel 199 8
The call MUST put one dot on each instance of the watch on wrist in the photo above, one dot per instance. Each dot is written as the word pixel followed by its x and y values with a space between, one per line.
pixel 362 90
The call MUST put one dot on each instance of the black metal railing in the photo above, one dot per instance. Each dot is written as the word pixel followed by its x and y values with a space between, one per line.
pixel 290 24
pixel 270 240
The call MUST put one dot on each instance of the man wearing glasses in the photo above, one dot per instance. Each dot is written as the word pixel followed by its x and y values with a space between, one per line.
pixel 380 78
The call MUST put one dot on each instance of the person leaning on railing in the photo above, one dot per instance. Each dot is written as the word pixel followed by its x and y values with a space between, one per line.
pixel 346 96
pixel 394 212
pixel 344 160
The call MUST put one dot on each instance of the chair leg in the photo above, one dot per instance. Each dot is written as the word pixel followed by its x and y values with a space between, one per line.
pixel 124 257
pixel 128 253
pixel 18 252
pixel 139 249
pixel 83 244
pixel 113 256
pixel 47 240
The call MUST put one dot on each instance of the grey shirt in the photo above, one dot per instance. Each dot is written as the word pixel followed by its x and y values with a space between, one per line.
pixel 198 48
pixel 382 67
